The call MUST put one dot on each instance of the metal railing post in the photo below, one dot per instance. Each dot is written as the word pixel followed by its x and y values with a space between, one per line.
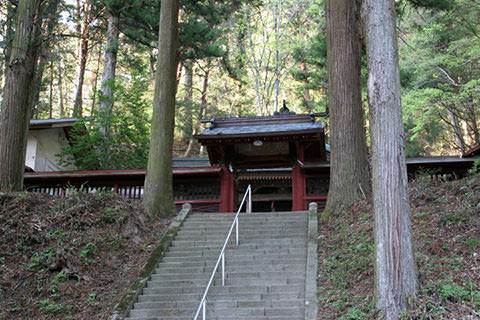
pixel 221 257
pixel 249 203
pixel 236 232
pixel 223 269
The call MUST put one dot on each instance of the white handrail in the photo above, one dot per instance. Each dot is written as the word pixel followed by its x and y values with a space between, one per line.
pixel 221 257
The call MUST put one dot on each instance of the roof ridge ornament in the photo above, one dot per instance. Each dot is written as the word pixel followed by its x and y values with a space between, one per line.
pixel 284 110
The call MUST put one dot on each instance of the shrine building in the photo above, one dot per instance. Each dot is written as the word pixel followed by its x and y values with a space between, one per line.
pixel 283 157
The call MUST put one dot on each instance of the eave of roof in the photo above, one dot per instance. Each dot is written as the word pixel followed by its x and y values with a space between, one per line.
pixel 115 173
pixel 52 123
pixel 472 152
pixel 267 130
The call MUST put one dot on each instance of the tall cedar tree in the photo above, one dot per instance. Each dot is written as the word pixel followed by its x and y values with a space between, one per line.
pixel 109 68
pixel 395 279
pixel 349 174
pixel 158 197
pixel 18 94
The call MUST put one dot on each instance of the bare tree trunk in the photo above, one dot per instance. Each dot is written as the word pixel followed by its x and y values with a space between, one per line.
pixel 395 278
pixel 9 34
pixel 78 104
pixel 457 132
pixel 108 77
pixel 201 111
pixel 45 53
pixel 188 101
pixel 95 80
pixel 50 96
pixel 306 91
pixel 60 88
pixel 17 97
pixel 470 106
pixel 158 197
pixel 276 27
pixel 349 173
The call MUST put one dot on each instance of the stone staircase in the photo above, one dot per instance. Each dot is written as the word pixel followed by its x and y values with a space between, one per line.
pixel 266 273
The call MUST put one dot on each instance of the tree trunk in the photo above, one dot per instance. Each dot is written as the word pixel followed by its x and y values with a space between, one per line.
pixel 17 97
pixel 457 131
pixel 395 279
pixel 158 197
pixel 60 88
pixel 9 34
pixel 349 173
pixel 78 104
pixel 95 80
pixel 306 91
pixel 188 100
pixel 45 54
pixel 108 77
pixel 50 95
pixel 201 112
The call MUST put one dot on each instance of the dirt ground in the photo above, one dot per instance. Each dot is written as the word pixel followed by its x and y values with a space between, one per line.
pixel 73 257
pixel 446 228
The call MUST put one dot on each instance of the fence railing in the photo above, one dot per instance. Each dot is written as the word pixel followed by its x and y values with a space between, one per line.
pixel 221 258
pixel 197 186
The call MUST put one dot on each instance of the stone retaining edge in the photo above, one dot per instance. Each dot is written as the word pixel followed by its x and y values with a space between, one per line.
pixel 311 306
pixel 122 309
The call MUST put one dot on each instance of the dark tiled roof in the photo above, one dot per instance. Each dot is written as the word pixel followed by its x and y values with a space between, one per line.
pixel 53 122
pixel 267 128
pixel 190 162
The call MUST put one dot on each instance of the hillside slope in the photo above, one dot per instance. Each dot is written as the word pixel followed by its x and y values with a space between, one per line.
pixel 446 227
pixel 73 257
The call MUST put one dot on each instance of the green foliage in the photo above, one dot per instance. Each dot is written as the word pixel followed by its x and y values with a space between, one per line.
pixel 440 75
pixel 39 259
pixel 54 283
pixel 125 145
pixel 89 251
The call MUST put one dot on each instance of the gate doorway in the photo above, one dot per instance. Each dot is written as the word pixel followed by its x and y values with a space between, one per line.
pixel 271 189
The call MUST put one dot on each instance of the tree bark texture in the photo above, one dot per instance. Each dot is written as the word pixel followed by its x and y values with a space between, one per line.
pixel 83 55
pixel 17 96
pixel 188 100
pixel 78 104
pixel 60 87
pixel 158 197
pixel 201 111
pixel 7 43
pixel 108 76
pixel 395 278
pixel 457 132
pixel 45 55
pixel 349 173
pixel 95 80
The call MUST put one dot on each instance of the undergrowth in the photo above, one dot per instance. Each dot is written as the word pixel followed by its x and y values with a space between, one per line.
pixel 72 257
pixel 446 229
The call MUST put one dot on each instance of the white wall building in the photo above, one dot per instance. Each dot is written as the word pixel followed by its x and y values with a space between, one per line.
pixel 45 140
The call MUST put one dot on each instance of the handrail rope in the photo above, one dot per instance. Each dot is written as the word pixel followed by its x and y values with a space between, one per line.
pixel 221 257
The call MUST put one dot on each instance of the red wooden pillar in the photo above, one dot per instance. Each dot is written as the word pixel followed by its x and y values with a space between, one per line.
pixel 227 191
pixel 298 181
pixel 298 187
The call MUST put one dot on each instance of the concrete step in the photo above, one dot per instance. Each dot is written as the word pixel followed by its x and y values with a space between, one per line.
pixel 234 273
pixel 246 264
pixel 259 242
pixel 222 304
pixel 248 254
pixel 265 274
